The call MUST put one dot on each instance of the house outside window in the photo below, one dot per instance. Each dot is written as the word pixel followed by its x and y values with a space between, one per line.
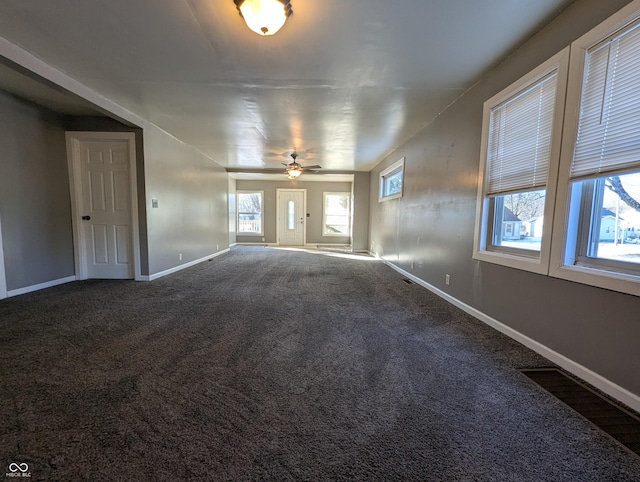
pixel 336 214
pixel 392 181
pixel 250 215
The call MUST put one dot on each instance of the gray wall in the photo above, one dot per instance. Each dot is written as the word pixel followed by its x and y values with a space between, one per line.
pixel 35 205
pixel 361 211
pixel 232 203
pixel 191 189
pixel 433 225
pixel 314 208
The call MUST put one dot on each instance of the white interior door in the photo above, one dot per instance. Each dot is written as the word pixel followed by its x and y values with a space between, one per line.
pixel 103 211
pixel 291 217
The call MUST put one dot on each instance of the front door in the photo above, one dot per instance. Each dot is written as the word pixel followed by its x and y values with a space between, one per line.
pixel 103 207
pixel 291 217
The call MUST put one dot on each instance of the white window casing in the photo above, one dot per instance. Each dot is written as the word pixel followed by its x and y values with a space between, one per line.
pixel 520 152
pixel 601 137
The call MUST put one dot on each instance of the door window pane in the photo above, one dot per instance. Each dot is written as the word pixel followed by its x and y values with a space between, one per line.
pixel 291 215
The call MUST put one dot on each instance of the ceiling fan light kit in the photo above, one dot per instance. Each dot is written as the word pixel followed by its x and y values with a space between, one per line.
pixel 293 169
pixel 264 17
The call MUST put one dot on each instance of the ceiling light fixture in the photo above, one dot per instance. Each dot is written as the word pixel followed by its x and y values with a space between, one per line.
pixel 264 17
pixel 294 172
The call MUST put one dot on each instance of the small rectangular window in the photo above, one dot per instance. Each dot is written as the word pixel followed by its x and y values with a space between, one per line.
pixel 250 216
pixel 391 181
pixel 336 216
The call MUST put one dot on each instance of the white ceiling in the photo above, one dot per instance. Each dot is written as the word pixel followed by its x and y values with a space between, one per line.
pixel 344 82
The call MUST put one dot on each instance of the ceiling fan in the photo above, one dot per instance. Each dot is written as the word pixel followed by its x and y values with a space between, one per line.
pixel 293 169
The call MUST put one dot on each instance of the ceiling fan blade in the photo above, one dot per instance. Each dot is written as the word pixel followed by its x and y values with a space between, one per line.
pixel 312 167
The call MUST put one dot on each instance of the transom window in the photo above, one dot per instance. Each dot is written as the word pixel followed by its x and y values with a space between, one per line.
pixel 391 181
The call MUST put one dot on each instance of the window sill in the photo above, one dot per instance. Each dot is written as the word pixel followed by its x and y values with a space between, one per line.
pixel 389 198
pixel 531 264
pixel 610 280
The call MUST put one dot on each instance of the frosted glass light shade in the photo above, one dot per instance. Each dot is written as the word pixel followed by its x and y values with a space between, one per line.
pixel 265 17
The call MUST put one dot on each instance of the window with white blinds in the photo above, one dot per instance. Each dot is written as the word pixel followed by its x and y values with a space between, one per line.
pixel 608 138
pixel 519 139
pixel 568 134
pixel 519 158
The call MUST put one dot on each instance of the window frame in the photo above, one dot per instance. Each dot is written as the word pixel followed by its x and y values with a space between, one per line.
pixel 392 170
pixel 570 221
pixel 238 213
pixel 324 214
pixel 483 247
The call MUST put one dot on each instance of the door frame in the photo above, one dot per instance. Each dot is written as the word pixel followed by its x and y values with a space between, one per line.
pixel 74 138
pixel 3 277
pixel 304 213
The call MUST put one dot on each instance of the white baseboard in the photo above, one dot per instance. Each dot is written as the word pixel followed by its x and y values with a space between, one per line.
pixel 304 246
pixel 616 391
pixel 247 243
pixel 182 266
pixel 40 286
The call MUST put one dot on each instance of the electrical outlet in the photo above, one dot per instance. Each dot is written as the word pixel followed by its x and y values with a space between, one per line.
pixel 447 279
pixel 412 264
pixel 180 257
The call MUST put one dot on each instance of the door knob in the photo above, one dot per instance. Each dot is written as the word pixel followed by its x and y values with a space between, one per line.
pixel 86 218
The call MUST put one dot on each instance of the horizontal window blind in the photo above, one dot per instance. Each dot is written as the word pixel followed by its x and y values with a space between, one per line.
pixel 608 138
pixel 519 143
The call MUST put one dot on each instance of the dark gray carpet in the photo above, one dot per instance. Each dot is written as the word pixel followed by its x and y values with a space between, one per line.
pixel 266 364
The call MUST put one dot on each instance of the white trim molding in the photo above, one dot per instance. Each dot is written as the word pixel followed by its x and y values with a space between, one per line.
pixel 40 286
pixel 3 277
pixel 607 386
pixel 175 269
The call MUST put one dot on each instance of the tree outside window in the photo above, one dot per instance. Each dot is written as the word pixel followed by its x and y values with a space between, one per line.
pixel 336 214
pixel 250 219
